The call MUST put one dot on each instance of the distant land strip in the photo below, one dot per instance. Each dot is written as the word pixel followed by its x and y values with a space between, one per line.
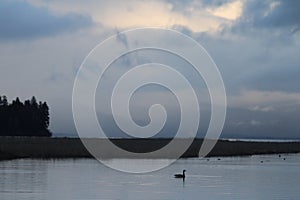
pixel 48 148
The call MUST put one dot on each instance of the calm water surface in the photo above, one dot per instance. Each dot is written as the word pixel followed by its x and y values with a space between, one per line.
pixel 227 178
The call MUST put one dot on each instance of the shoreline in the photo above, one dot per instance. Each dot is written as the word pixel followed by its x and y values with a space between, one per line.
pixel 48 148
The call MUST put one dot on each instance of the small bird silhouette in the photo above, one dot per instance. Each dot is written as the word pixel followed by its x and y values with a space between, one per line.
pixel 180 175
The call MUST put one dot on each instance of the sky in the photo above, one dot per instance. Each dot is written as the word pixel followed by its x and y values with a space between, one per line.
pixel 255 45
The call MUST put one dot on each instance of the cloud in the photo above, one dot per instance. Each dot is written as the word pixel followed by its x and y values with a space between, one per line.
pixel 230 11
pixel 252 98
pixel 282 76
pixel 122 38
pixel 277 124
pixel 157 13
pixel 255 123
pixel 253 61
pixel 216 3
pixel 262 108
pixel 20 20
pixel 256 54
pixel 270 15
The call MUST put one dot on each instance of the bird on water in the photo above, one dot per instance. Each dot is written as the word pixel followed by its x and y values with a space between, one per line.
pixel 180 175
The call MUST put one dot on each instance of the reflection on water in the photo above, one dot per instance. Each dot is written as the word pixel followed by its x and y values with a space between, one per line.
pixel 257 177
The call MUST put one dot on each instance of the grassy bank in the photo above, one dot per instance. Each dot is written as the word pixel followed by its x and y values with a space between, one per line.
pixel 34 147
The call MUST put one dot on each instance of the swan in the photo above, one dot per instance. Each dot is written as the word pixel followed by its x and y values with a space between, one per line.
pixel 180 175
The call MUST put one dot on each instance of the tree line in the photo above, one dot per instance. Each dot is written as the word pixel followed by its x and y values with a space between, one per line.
pixel 30 118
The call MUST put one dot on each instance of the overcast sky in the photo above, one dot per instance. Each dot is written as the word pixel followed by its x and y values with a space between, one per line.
pixel 255 44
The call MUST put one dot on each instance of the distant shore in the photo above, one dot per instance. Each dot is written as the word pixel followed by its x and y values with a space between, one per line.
pixel 47 148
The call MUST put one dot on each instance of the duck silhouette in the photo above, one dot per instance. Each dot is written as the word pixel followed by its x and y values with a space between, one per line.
pixel 180 175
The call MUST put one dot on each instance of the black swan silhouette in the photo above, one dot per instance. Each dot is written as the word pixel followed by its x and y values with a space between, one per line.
pixel 180 175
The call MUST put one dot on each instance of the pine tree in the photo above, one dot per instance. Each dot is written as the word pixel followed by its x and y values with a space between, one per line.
pixel 24 119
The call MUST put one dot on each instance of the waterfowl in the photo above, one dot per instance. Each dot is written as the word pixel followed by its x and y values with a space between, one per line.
pixel 180 175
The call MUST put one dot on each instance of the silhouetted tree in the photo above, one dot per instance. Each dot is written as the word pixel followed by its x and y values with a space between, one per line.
pixel 4 101
pixel 24 119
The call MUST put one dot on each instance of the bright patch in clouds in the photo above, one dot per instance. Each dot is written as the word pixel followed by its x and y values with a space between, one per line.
pixel 272 6
pixel 230 11
pixel 131 14
pixel 249 98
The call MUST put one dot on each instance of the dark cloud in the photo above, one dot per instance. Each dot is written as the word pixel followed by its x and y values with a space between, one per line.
pixel 183 29
pixel 278 79
pixel 215 3
pixel 270 14
pixel 260 55
pixel 122 38
pixel 258 62
pixel 20 20
pixel 254 124
pixel 183 6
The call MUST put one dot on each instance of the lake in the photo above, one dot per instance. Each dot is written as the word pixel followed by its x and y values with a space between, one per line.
pixel 255 177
